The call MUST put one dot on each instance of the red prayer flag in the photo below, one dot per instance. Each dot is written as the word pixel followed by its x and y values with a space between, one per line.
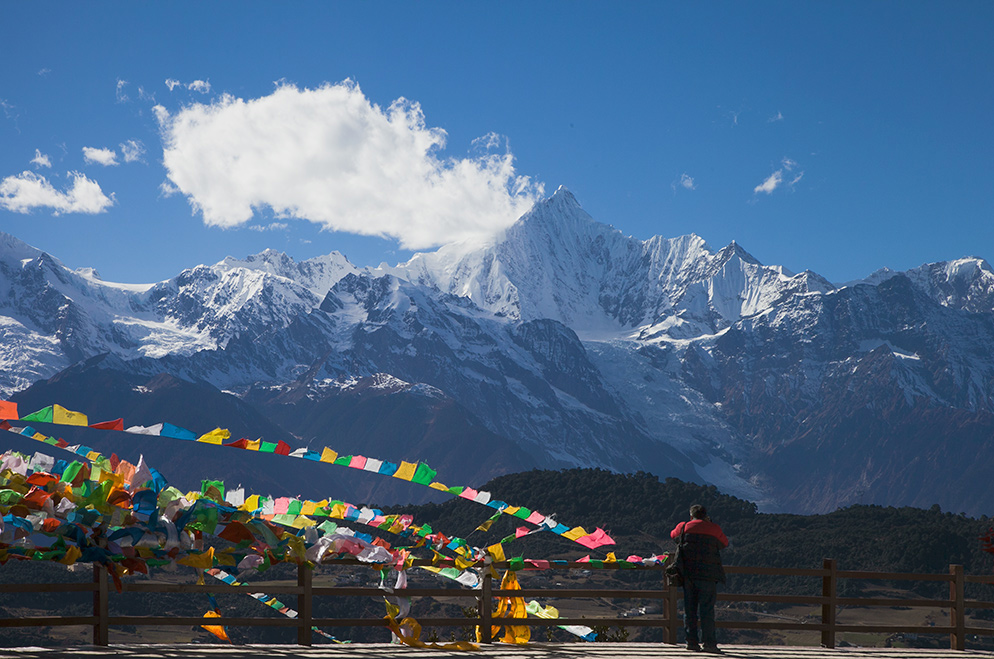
pixel 282 448
pixel 116 424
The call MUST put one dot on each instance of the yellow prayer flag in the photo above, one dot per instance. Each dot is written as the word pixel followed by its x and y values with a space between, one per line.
pixel 497 552
pixel 308 508
pixel 39 436
pixel 327 455
pixel 66 417
pixel 463 563
pixel 204 561
pixel 439 486
pixel 72 555
pixel 575 533
pixel 216 436
pixel 251 504
pixel 610 558
pixel 253 444
pixel 301 522
pixel 226 559
pixel 510 510
pixel 93 455
pixel 406 470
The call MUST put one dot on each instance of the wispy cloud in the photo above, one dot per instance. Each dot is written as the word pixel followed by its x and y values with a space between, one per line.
pixel 272 226
pixel 330 156
pixel 44 72
pixel 133 151
pixel 199 86
pixel 686 182
pixel 775 118
pixel 120 93
pixel 28 191
pixel 41 159
pixel 774 180
pixel 10 112
pixel 105 157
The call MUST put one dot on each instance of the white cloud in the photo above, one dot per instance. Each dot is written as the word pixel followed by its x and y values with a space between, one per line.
pixel 121 96
pixel 172 84
pixel 44 72
pixel 27 191
pixel 201 86
pixel 329 156
pixel 774 180
pixel 685 182
pixel 132 150
pixel 272 226
pixel 105 157
pixel 41 159
pixel 770 184
pixel 775 118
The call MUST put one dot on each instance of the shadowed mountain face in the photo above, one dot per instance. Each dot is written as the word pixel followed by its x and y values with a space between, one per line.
pixel 559 343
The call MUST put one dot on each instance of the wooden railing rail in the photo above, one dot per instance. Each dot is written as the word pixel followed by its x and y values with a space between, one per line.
pixel 669 621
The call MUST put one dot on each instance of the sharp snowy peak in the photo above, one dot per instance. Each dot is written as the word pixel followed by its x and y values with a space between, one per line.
pixel 557 262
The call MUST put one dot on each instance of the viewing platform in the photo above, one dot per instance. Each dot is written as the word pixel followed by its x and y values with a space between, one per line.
pixel 497 651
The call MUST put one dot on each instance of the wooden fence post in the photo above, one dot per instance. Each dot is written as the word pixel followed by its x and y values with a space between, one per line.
pixel 671 613
pixel 486 607
pixel 957 610
pixel 829 590
pixel 100 593
pixel 304 601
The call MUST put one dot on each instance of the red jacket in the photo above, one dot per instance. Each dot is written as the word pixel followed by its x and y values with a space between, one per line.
pixel 700 526
pixel 701 555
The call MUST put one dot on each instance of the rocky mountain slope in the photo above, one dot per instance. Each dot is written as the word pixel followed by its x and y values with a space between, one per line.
pixel 562 342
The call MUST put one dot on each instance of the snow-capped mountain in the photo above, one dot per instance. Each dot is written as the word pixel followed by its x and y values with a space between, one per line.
pixel 577 345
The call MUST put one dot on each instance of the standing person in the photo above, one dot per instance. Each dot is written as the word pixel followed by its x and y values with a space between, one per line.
pixel 702 571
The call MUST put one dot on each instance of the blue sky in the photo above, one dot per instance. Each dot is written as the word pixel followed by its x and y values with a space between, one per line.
pixel 145 138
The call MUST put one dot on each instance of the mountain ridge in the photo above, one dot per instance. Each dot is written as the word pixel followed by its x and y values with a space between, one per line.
pixel 578 344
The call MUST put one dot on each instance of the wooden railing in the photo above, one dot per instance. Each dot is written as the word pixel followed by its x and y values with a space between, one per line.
pixel 669 621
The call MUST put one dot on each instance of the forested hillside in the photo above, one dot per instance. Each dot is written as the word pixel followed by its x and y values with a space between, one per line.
pixel 638 511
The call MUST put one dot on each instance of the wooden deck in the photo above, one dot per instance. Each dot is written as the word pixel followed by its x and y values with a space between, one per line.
pixel 497 651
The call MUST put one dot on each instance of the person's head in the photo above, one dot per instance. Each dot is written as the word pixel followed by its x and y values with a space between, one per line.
pixel 697 511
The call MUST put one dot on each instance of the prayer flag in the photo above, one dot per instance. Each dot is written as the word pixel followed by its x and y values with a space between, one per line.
pixel 406 471
pixel 116 424
pixel 67 417
pixel 44 415
pixel 8 410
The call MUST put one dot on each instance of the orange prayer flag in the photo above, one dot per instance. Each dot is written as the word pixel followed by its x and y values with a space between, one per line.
pixel 8 410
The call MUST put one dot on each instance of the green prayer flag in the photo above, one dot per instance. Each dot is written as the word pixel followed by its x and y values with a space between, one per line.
pixel 424 474
pixel 267 447
pixel 515 564
pixel 43 415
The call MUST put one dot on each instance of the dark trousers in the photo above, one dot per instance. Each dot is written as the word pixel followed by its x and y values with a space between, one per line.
pixel 699 596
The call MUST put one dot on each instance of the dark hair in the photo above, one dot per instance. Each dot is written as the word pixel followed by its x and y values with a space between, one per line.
pixel 697 511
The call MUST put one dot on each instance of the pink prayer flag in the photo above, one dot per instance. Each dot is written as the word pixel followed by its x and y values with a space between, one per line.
pixel 588 541
pixel 537 564
pixel 521 531
pixel 281 505
pixel 585 559
pixel 634 559
pixel 469 493
pixel 536 517
pixel 357 462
